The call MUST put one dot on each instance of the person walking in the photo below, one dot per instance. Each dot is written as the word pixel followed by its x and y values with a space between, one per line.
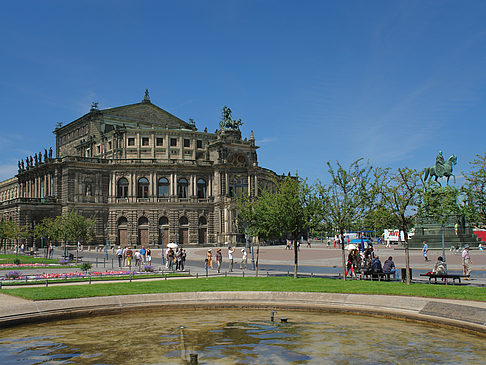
pixel 230 258
pixel 119 254
pixel 149 256
pixel 210 258
pixel 466 262
pixel 425 251
pixel 219 259
pixel 244 259
pixel 143 252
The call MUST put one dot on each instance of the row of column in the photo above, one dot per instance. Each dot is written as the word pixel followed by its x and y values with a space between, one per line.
pixel 39 187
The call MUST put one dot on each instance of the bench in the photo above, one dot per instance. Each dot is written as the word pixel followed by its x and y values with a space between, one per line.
pixel 378 275
pixel 444 277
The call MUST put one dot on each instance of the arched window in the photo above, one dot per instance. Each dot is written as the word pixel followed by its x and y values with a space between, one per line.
pixel 201 189
pixel 143 188
pixel 183 221
pixel 182 188
pixel 203 221
pixel 142 221
pixel 122 188
pixel 163 221
pixel 122 221
pixel 163 188
pixel 238 186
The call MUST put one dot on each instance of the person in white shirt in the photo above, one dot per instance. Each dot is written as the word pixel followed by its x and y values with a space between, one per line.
pixel 230 258
pixel 244 259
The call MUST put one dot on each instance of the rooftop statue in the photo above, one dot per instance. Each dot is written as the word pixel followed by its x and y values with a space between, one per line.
pixel 227 121
pixel 442 168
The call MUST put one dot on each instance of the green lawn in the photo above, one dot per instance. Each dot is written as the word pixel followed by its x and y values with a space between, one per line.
pixel 9 259
pixel 284 284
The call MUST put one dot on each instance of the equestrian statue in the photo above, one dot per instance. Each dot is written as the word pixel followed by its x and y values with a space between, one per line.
pixel 442 168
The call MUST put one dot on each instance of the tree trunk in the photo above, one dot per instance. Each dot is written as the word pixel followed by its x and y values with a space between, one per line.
pixel 257 254
pixel 407 256
pixel 296 259
pixel 343 255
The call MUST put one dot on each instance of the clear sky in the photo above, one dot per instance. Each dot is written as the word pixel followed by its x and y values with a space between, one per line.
pixel 393 82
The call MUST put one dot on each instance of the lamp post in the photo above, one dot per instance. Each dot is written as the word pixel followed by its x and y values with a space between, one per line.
pixel 249 244
pixel 106 241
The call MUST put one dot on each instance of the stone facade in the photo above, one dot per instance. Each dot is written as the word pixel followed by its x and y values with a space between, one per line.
pixel 145 175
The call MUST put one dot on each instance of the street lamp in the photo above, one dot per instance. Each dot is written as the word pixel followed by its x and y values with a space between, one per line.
pixel 249 244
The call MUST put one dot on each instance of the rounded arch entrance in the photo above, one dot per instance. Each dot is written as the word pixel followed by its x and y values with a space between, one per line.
pixel 143 230
pixel 183 230
pixel 202 230
pixel 122 225
pixel 163 231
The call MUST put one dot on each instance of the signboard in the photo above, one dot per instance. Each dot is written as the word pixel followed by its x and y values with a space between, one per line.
pixel 392 235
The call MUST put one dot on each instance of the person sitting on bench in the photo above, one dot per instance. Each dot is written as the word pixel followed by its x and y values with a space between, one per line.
pixel 440 267
pixel 376 265
pixel 389 267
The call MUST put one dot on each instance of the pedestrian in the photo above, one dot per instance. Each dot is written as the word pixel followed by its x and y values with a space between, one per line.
pixel 179 259
pixel 230 258
pixel 219 259
pixel 166 255
pixel 119 254
pixel 308 243
pixel 138 258
pixel 425 251
pixel 183 259
pixel 124 254
pixel 170 259
pixel 129 257
pixel 149 256
pixel 143 252
pixel 210 258
pixel 466 262
pixel 51 251
pixel 244 259
pixel 328 242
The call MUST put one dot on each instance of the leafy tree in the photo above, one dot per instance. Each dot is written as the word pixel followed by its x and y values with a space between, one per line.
pixel 475 190
pixel 400 193
pixel 346 198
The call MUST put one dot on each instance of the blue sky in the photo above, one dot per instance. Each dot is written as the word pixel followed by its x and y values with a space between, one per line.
pixel 393 82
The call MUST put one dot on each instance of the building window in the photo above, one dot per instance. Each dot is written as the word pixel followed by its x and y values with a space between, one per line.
pixel 238 187
pixel 160 141
pixel 143 188
pixel 201 189
pixel 173 142
pixel 109 145
pixel 187 143
pixel 145 141
pixel 98 148
pixel 199 144
pixel 131 141
pixel 182 188
pixel 122 188
pixel 163 187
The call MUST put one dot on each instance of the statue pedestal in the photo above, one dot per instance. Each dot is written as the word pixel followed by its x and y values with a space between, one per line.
pixel 431 232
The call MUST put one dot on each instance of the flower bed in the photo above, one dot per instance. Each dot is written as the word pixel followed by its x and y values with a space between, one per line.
pixel 13 266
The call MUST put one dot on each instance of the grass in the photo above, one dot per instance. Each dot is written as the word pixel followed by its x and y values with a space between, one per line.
pixel 284 284
pixel 9 259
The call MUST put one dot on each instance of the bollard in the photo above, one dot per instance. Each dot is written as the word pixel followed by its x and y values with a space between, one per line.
pixel 47 283
pixel 104 262
pixel 312 274
pixel 193 359
pixel 165 276
pixel 267 274
pixel 207 271
pixel 197 275
pixel 243 274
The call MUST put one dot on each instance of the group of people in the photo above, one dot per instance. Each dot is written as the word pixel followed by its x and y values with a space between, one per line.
pixel 208 262
pixel 127 257
pixel 175 260
pixel 366 262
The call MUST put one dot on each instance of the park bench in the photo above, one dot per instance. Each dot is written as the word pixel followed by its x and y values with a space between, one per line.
pixel 445 277
pixel 379 275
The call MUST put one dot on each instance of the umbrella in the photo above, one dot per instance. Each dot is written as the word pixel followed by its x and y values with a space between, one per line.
pixel 172 245
pixel 350 247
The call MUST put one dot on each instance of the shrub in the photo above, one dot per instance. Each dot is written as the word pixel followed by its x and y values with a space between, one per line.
pixel 13 275
pixel 16 261
pixel 148 268
pixel 86 266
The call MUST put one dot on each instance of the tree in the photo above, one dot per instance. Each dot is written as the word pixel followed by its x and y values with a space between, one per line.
pixel 475 190
pixel 345 199
pixel 400 193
